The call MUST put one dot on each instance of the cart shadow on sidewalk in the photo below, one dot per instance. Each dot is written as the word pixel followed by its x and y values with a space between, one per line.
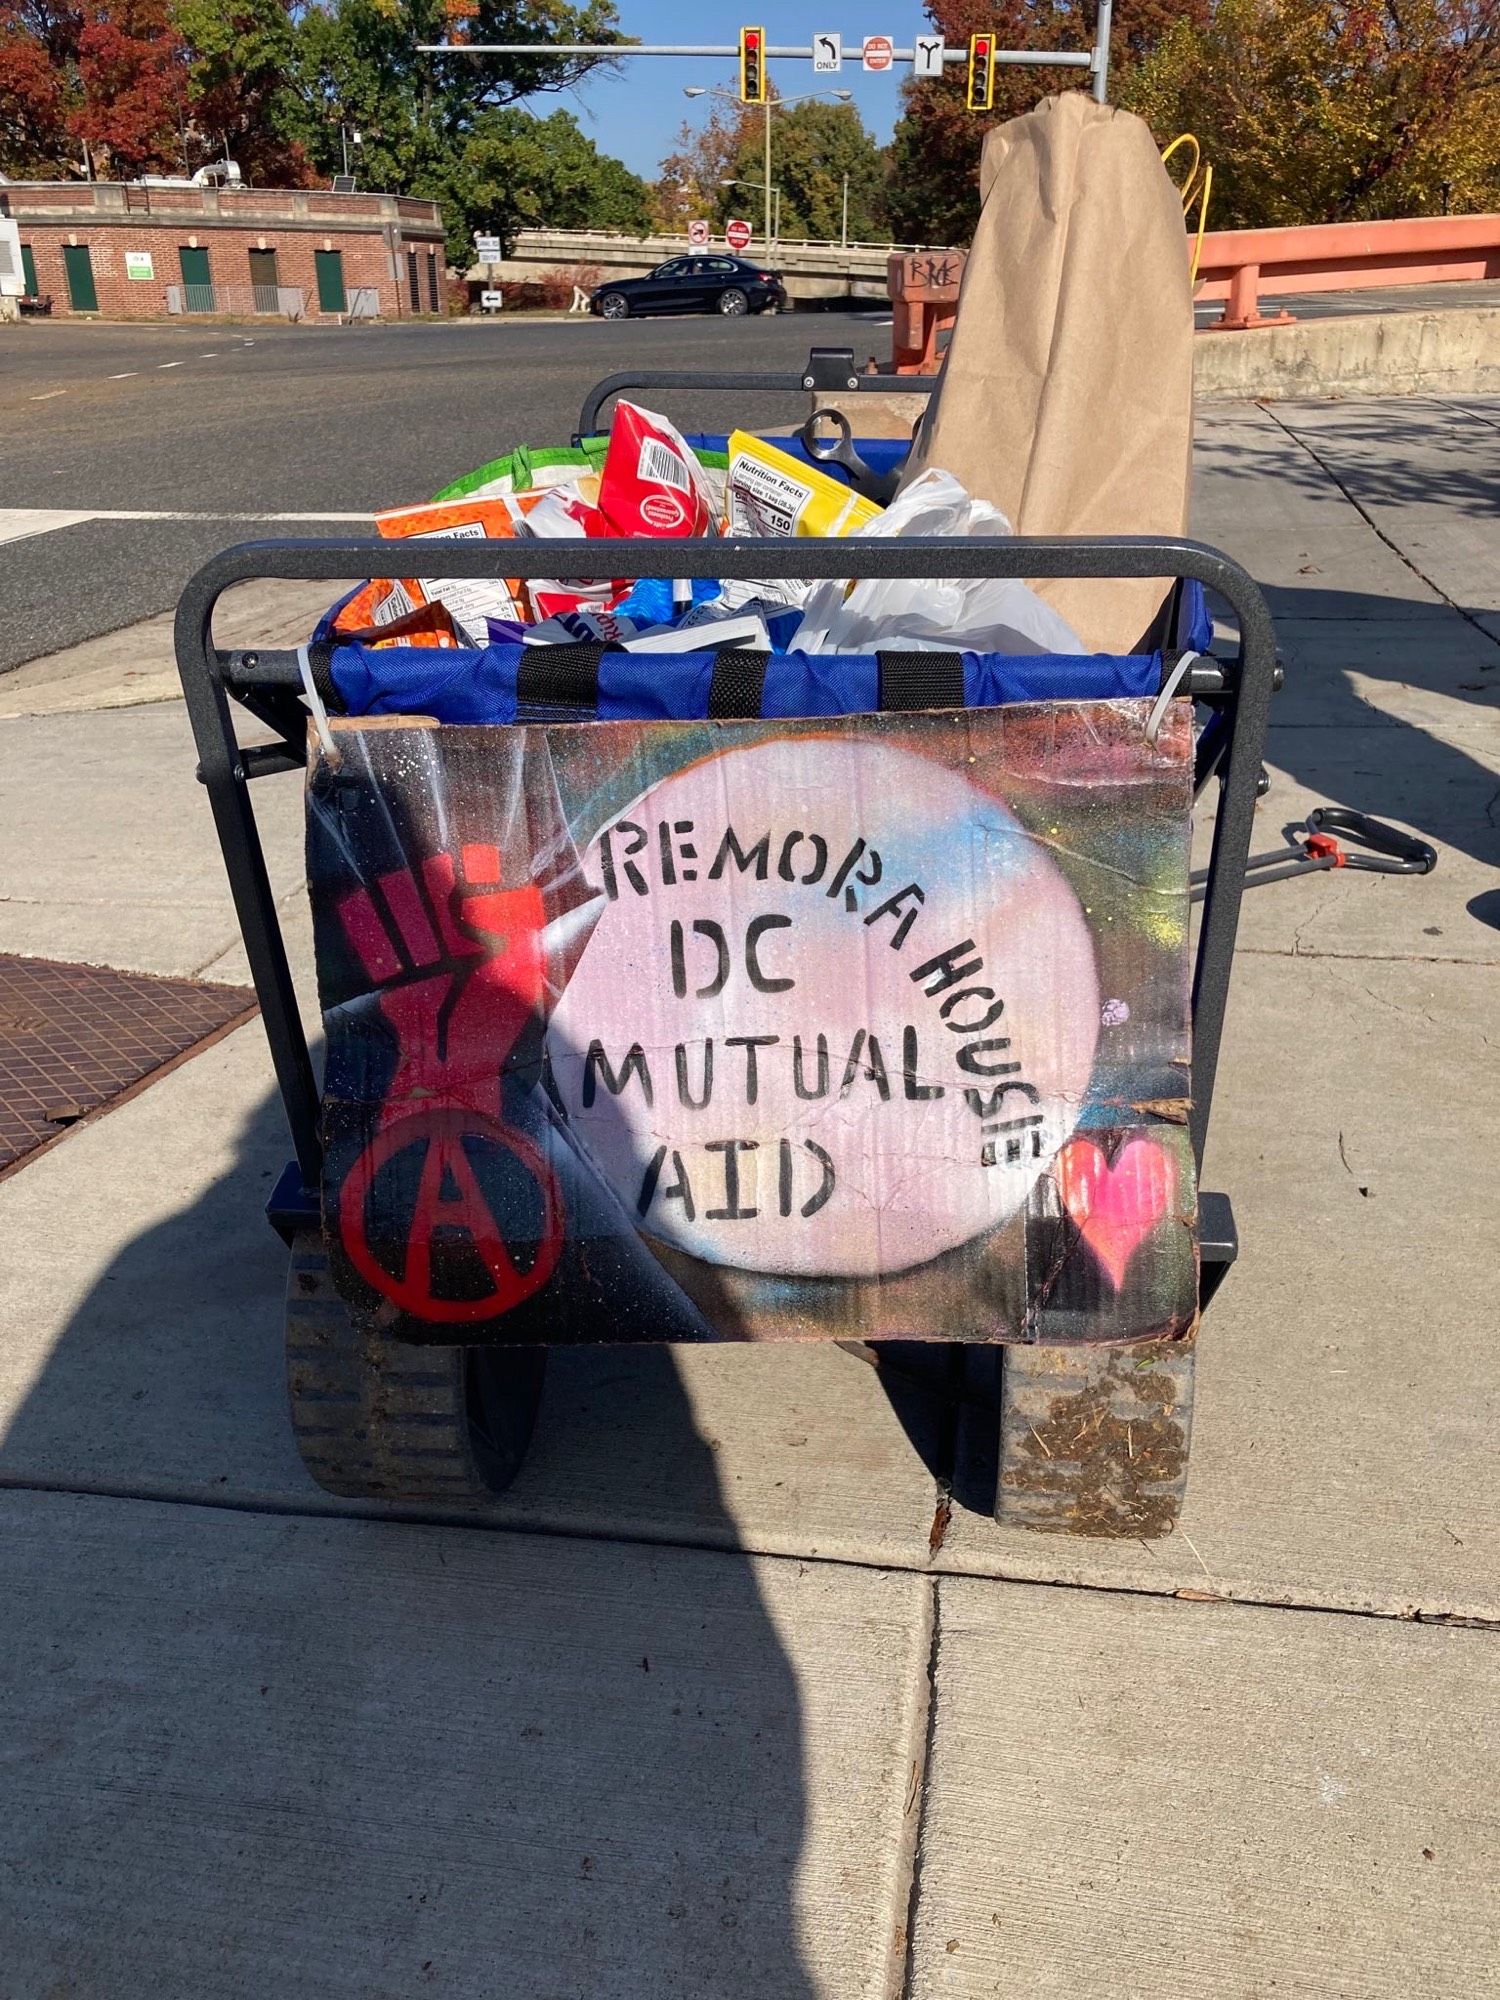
pixel 625 1817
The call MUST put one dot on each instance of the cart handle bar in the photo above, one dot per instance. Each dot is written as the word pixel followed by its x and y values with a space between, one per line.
pixel 785 385
pixel 810 560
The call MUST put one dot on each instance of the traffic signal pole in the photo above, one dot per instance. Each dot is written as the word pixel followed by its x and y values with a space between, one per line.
pixel 753 52
pixel 1095 60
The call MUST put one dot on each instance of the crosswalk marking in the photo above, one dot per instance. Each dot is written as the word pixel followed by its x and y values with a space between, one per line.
pixel 17 524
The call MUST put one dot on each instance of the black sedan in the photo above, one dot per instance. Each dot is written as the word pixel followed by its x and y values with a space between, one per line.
pixel 706 283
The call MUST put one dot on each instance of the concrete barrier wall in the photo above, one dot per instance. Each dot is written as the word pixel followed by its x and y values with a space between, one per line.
pixel 1452 352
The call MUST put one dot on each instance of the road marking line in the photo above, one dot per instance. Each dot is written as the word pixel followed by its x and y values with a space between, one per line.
pixel 124 377
pixel 47 398
pixel 169 364
pixel 212 355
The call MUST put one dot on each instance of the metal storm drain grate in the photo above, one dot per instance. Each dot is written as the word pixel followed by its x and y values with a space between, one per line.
pixel 75 1037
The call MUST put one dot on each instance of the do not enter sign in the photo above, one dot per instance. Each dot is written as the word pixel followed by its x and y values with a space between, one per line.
pixel 737 235
pixel 878 52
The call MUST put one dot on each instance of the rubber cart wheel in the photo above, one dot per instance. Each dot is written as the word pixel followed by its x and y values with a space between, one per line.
pixel 1094 1440
pixel 379 1419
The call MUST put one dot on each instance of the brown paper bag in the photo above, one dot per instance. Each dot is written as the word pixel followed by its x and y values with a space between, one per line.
pixel 1066 395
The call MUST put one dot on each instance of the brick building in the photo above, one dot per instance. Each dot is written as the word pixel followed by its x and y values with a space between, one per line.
pixel 143 251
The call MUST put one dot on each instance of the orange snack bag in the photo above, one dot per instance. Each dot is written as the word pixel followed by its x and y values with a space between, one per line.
pixel 469 601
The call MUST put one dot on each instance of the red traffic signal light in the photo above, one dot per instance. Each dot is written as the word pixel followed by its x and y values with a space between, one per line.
pixel 752 65
pixel 981 72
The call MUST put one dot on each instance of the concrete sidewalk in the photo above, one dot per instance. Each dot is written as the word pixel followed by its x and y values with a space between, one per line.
pixel 721 1700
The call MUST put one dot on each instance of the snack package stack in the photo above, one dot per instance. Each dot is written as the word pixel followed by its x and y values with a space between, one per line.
pixel 644 480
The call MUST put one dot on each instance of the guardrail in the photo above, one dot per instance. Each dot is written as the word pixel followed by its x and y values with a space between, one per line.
pixel 1236 265
pixel 674 245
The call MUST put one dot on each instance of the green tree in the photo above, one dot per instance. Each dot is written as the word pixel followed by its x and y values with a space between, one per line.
pixel 515 171
pixel 242 74
pixel 815 145
pixel 360 67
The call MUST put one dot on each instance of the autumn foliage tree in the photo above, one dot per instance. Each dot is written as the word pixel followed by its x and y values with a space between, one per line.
pixel 1322 111
pixel 132 76
pixel 934 161
pixel 38 45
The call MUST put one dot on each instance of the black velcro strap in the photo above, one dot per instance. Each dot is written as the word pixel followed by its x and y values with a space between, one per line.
pixel 320 663
pixel 738 684
pixel 921 680
pixel 559 676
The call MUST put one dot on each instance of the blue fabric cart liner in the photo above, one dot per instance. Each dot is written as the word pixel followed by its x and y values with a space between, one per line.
pixel 457 685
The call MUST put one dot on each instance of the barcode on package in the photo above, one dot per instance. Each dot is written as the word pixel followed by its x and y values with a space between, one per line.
pixel 662 466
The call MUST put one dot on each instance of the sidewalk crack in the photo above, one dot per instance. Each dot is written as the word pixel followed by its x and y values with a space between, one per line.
pixel 917 1801
pixel 1374 526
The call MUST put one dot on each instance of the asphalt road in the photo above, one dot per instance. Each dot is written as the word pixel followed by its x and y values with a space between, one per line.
pixel 234 423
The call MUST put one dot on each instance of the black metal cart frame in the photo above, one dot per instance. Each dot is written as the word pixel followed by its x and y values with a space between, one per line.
pixel 1235 692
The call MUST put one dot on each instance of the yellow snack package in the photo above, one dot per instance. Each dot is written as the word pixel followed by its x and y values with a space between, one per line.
pixel 768 492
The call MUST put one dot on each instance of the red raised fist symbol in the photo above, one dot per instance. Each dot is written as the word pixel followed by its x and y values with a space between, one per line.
pixel 460 969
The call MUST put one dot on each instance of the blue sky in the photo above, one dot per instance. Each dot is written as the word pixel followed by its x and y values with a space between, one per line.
pixel 635 114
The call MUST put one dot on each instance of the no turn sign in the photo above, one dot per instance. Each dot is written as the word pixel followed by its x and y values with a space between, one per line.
pixel 698 235
pixel 737 235
pixel 878 52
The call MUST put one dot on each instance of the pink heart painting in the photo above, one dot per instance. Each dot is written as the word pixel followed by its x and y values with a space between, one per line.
pixel 1116 1205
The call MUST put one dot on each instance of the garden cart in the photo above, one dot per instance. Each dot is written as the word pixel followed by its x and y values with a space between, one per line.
pixel 736 995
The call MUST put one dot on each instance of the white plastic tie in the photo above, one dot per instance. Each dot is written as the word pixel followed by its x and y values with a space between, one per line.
pixel 1175 679
pixel 331 749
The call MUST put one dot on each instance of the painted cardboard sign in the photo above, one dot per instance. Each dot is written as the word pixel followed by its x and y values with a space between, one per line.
pixel 866 1027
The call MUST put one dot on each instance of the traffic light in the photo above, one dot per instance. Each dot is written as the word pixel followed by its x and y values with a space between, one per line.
pixel 981 72
pixel 752 65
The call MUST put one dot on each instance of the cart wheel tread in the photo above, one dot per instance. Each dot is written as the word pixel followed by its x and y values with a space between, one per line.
pixel 379 1419
pixel 1094 1440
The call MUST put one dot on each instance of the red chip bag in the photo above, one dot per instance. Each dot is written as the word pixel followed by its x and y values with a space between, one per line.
pixel 651 483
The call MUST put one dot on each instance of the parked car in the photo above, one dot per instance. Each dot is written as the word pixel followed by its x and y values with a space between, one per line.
pixel 707 283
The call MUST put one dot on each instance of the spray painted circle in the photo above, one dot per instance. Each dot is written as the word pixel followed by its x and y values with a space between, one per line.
pixel 838 1013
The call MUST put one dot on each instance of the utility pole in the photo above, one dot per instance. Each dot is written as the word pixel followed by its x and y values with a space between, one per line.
pixel 768 237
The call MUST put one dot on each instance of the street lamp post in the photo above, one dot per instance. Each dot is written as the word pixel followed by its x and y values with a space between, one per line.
pixel 785 104
pixel 775 235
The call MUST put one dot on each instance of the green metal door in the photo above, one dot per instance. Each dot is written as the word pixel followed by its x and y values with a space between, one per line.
pixel 80 273
pixel 197 281
pixel 330 264
pixel 28 272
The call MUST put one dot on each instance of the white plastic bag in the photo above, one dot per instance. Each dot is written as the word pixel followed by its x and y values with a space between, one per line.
pixel 972 614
